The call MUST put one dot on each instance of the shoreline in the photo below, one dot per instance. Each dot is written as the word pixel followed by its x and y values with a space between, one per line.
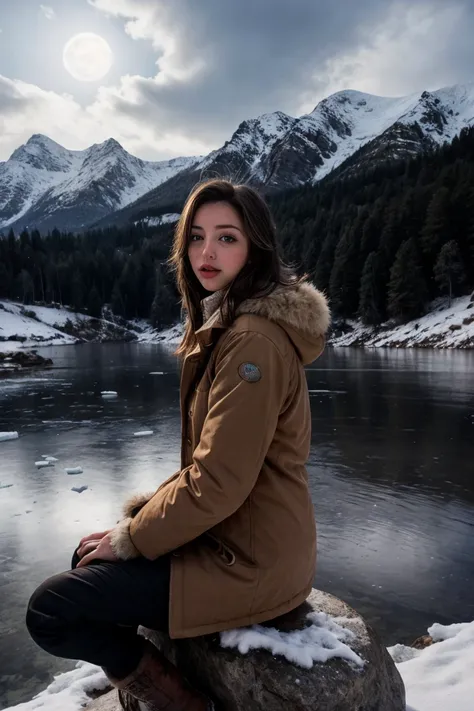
pixel 27 329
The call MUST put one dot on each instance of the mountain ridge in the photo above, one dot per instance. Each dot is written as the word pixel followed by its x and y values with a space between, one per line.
pixel 44 185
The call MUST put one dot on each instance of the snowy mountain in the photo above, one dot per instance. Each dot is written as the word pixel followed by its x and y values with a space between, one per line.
pixel 44 185
pixel 345 131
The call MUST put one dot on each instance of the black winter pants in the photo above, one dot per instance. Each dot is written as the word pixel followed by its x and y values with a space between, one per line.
pixel 92 613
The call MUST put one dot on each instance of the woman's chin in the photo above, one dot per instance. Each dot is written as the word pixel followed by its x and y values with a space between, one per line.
pixel 214 283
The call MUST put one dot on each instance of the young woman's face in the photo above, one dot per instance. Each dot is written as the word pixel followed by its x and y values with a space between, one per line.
pixel 218 246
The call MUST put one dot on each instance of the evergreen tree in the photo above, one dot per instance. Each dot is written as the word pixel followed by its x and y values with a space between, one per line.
pixel 25 289
pixel 345 276
pixel 77 293
pixel 449 270
pixel 372 292
pixel 407 291
pixel 6 281
pixel 164 306
pixel 116 302
pixel 94 303
pixel 322 271
pixel 436 228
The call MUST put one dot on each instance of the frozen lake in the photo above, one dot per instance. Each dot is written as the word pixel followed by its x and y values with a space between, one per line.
pixel 391 475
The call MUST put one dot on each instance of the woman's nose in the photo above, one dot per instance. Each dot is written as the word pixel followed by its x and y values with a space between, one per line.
pixel 208 250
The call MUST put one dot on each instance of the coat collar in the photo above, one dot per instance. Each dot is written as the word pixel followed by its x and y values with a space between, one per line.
pixel 300 309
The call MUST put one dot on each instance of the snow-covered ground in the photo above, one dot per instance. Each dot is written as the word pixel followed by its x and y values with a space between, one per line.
pixel 148 334
pixel 438 678
pixel 443 327
pixel 33 326
pixel 36 331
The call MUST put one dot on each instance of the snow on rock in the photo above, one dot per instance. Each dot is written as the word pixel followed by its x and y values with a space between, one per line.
pixel 74 470
pixel 6 436
pixel 443 327
pixel 165 219
pixel 171 336
pixel 143 433
pixel 439 677
pixel 326 638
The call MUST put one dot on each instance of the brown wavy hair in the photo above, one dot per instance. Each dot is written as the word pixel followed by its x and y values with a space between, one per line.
pixel 264 271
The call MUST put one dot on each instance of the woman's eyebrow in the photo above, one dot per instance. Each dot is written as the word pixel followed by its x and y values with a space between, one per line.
pixel 218 227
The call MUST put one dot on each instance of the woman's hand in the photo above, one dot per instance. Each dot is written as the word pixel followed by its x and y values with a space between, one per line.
pixel 95 548
pixel 92 537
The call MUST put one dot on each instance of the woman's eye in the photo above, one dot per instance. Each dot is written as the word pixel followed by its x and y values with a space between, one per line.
pixel 194 238
pixel 228 238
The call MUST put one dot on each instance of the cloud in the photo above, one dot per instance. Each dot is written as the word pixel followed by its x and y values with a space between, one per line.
pixel 26 109
pixel 48 12
pixel 426 47
pixel 219 63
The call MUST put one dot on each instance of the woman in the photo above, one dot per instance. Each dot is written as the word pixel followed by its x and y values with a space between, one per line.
pixel 228 540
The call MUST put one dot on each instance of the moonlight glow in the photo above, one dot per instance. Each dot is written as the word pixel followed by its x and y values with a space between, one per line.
pixel 87 57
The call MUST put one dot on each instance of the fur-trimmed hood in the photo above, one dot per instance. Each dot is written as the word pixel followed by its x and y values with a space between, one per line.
pixel 302 310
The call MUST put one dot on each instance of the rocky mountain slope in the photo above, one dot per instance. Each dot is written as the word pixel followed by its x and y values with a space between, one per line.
pixel 44 185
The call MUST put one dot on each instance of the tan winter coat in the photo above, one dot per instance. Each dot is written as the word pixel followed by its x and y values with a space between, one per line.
pixel 238 515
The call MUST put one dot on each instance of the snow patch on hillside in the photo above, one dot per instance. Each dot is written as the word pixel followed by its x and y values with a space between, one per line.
pixel 15 324
pixel 444 327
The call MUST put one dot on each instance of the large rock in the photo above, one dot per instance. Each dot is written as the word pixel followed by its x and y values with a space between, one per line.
pixel 259 681
pixel 19 360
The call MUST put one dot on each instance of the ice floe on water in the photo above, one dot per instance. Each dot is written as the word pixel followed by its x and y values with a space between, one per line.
pixel 74 470
pixel 79 489
pixel 42 463
pixel 109 394
pixel 143 433
pixel 6 436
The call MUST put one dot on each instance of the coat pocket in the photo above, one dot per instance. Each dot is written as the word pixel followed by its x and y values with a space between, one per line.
pixel 222 549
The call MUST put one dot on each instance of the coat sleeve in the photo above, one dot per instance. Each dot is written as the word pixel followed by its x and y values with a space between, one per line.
pixel 237 433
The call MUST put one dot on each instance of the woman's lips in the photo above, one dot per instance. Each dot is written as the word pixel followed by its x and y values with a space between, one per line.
pixel 208 273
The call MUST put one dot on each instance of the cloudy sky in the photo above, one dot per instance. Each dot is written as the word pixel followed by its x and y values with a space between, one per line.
pixel 175 77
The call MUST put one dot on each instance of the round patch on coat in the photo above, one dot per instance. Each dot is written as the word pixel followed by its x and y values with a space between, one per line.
pixel 250 372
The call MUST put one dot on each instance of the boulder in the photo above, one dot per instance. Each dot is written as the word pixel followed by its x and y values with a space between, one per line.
pixel 260 681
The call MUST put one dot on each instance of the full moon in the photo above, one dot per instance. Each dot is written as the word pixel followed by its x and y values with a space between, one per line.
pixel 87 57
